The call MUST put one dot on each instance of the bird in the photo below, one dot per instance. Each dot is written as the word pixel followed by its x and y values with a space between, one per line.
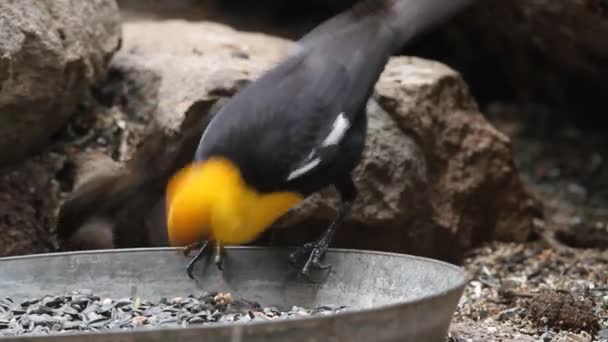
pixel 298 128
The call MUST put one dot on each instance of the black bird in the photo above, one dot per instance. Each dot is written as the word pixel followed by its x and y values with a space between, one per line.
pixel 295 130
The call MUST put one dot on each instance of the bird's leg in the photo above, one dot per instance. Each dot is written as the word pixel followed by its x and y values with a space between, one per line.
pixel 320 247
pixel 197 257
pixel 197 245
pixel 217 255
pixel 315 251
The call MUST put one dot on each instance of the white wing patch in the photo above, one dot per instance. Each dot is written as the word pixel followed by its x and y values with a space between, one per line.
pixel 305 168
pixel 338 129
pixel 207 129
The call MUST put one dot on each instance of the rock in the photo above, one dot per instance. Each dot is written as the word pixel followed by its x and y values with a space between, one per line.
pixel 121 206
pixel 436 179
pixel 91 165
pixel 50 54
pixel 562 311
pixel 165 76
pixel 584 234
pixel 566 336
pixel 97 232
pixel 469 331
pixel 28 199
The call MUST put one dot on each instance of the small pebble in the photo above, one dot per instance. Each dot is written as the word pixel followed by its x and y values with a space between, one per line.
pixel 546 337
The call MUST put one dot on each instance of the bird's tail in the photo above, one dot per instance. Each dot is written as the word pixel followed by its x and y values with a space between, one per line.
pixel 406 19
pixel 411 18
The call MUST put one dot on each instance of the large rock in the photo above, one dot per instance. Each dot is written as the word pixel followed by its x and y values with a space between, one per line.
pixel 160 77
pixel 436 179
pixel 50 53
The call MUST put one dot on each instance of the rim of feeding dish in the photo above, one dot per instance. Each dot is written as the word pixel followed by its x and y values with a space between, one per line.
pixel 457 285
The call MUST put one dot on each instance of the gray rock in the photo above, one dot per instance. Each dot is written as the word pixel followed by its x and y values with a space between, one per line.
pixel 51 52
pixel 166 76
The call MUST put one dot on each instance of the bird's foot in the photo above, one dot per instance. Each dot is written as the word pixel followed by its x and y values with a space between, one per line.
pixel 197 245
pixel 218 256
pixel 202 246
pixel 313 252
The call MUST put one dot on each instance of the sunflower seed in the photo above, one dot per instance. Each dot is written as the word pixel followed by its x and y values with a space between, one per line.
pixel 83 311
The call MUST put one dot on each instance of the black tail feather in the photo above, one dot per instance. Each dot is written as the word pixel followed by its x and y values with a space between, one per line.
pixel 407 19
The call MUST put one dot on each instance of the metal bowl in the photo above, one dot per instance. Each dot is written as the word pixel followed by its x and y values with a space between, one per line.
pixel 391 297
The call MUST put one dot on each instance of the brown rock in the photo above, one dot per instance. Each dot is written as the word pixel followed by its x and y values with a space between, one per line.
pixel 562 311
pixel 28 199
pixel 436 178
pixel 473 331
pixel 121 206
pixel 50 54
pixel 584 234
pixel 474 181
pixel 91 165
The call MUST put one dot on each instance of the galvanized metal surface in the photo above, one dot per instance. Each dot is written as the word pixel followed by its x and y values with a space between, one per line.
pixel 397 297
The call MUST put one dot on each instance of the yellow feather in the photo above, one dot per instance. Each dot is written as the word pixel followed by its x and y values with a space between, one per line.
pixel 211 198
pixel 187 214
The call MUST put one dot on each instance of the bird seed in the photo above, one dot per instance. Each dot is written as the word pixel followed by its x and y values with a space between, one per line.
pixel 83 311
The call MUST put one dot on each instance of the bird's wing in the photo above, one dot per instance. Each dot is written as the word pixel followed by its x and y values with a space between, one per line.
pixel 322 151
pixel 320 117
pixel 290 121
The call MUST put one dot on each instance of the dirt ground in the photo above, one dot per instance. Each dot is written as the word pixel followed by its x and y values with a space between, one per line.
pixel 556 287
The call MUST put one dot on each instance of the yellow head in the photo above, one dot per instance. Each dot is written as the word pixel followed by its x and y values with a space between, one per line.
pixel 210 200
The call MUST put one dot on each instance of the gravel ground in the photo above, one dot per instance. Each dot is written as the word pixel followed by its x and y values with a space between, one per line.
pixel 83 311
pixel 556 287
pixel 531 292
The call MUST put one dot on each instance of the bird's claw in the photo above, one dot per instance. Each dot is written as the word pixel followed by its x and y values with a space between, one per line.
pixel 189 270
pixel 217 255
pixel 218 258
pixel 314 252
pixel 314 260
pixel 296 255
pixel 193 246
pixel 202 245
